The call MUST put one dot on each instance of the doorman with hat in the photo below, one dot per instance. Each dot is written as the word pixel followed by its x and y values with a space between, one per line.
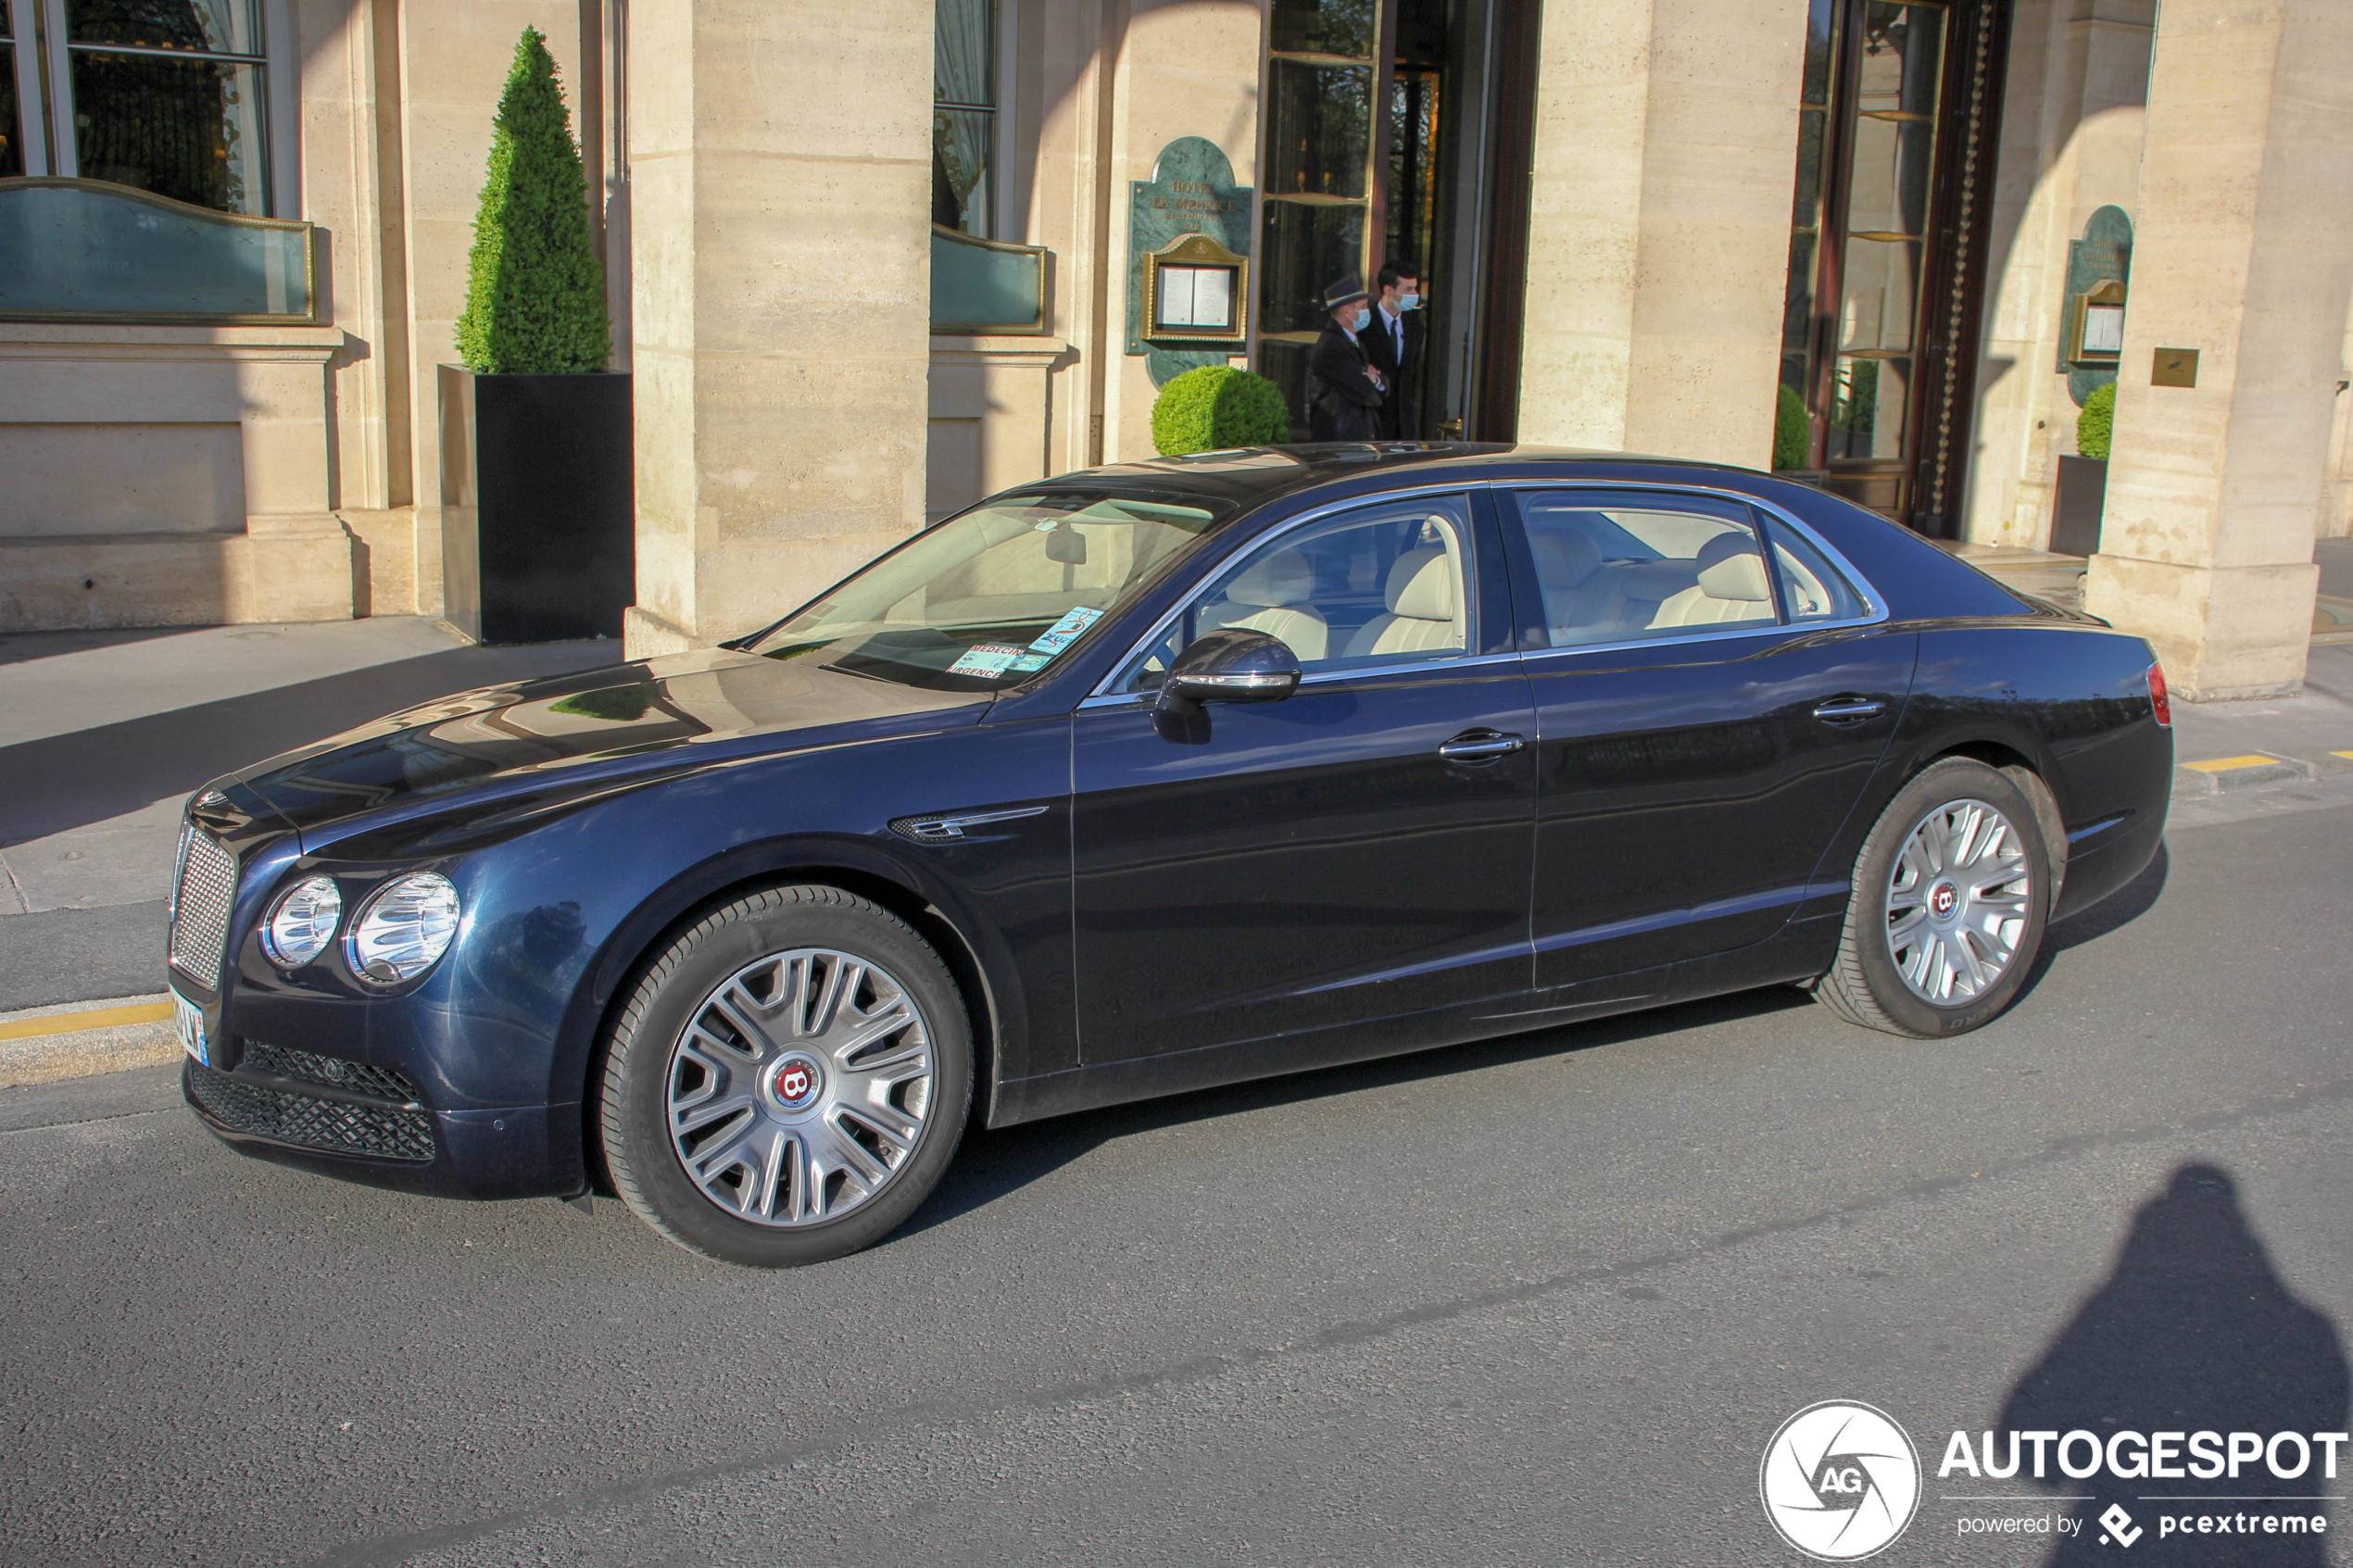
pixel 1344 390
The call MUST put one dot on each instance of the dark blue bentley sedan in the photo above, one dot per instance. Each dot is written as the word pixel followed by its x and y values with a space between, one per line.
pixel 1141 780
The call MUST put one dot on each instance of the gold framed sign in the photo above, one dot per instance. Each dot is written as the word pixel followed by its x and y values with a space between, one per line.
pixel 1196 291
pixel 2096 331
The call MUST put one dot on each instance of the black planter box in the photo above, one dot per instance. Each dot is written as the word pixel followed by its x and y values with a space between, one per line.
pixel 2076 504
pixel 538 521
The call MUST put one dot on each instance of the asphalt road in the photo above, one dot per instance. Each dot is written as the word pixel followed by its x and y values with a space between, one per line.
pixel 1538 1301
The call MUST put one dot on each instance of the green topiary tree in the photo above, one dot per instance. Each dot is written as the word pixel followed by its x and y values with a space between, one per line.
pixel 535 294
pixel 1215 406
pixel 1792 432
pixel 2095 426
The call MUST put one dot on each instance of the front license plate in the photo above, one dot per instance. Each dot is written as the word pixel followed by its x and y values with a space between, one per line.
pixel 189 1019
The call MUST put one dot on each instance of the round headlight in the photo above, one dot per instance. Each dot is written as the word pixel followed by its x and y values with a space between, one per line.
pixel 403 929
pixel 303 923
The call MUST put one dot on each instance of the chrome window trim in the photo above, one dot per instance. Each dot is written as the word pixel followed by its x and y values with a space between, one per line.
pixel 1459 487
pixel 1320 677
pixel 1875 606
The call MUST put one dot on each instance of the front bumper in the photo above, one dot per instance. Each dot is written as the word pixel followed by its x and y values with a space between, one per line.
pixel 377 1139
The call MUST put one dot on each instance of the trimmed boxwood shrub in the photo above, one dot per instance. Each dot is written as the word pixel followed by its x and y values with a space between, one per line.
pixel 1215 406
pixel 1792 432
pixel 2095 426
pixel 535 291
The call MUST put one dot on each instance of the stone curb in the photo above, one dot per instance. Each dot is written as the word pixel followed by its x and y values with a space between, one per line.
pixel 2274 769
pixel 81 1053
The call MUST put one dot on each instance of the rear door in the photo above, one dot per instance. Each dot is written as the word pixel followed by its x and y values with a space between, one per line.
pixel 1705 722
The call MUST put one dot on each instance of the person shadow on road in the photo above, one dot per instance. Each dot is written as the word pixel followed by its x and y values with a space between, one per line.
pixel 2192 1332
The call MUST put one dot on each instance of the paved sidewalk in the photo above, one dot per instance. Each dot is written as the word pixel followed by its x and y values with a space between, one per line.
pixel 103 734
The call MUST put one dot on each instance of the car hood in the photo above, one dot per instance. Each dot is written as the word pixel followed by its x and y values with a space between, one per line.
pixel 657 716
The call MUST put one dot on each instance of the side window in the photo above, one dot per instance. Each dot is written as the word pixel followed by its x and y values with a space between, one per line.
pixel 1615 574
pixel 1810 585
pixel 1378 585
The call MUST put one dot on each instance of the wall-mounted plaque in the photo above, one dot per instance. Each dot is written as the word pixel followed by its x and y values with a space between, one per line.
pixel 2099 266
pixel 1197 290
pixel 2095 334
pixel 2174 367
pixel 1174 322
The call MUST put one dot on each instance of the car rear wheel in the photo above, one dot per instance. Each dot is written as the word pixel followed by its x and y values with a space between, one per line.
pixel 1950 895
pixel 787 1080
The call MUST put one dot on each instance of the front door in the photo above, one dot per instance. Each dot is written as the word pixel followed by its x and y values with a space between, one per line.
pixel 1355 851
pixel 1706 725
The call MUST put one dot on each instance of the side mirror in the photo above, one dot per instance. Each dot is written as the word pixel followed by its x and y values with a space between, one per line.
pixel 1230 665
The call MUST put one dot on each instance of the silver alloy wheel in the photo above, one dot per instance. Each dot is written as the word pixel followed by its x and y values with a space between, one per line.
pixel 1956 903
pixel 799 1086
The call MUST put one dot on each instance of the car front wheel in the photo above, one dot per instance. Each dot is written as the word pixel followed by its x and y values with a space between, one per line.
pixel 1946 911
pixel 787 1080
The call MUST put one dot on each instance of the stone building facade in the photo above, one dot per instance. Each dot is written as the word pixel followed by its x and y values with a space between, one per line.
pixel 868 264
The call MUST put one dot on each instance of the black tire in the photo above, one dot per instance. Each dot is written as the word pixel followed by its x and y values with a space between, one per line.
pixel 1866 986
pixel 643 1061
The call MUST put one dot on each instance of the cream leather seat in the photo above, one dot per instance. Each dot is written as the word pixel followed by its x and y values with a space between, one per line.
pixel 1423 608
pixel 1582 602
pixel 1731 587
pixel 1271 597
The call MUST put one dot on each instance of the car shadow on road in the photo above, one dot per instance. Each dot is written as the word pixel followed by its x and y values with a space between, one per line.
pixel 2114 912
pixel 992 1164
pixel 2192 1332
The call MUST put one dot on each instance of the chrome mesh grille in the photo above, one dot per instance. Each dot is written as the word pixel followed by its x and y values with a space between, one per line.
pixel 376 1132
pixel 200 907
pixel 357 1077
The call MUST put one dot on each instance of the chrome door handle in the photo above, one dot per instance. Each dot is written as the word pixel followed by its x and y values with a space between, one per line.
pixel 1479 746
pixel 1848 709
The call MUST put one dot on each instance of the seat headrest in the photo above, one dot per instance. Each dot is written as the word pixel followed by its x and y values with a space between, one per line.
pixel 1729 568
pixel 1564 556
pixel 1421 585
pixel 1284 577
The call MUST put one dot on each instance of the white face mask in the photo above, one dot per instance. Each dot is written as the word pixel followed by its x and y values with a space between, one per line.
pixel 1409 301
pixel 1359 321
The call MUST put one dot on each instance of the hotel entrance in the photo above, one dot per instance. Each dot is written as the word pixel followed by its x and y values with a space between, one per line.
pixel 1400 129
pixel 1898 115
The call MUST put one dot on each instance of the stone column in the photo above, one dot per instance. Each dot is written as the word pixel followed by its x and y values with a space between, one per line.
pixel 2243 252
pixel 780 275
pixel 1658 238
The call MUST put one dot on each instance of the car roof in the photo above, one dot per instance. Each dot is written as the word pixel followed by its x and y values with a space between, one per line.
pixel 1249 476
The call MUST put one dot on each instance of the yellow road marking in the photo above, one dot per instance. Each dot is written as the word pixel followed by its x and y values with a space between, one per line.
pixel 2349 755
pixel 2224 764
pixel 74 1022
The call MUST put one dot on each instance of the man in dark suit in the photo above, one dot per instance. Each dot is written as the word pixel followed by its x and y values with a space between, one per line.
pixel 1392 345
pixel 1343 391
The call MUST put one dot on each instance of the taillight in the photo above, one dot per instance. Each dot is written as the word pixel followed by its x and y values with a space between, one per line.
pixel 2157 703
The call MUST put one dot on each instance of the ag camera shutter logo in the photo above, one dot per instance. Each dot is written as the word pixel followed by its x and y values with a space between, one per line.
pixel 1841 1480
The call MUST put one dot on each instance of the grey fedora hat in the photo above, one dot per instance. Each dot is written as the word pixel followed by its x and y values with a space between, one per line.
pixel 1347 289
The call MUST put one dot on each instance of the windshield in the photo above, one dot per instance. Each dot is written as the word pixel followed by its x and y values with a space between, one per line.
pixel 990 597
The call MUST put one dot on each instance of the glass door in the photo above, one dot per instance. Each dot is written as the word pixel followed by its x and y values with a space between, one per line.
pixel 1878 344
pixel 1394 131
pixel 1324 71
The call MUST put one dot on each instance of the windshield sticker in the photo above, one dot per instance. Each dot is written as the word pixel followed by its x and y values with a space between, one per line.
pixel 985 658
pixel 1064 633
pixel 1027 662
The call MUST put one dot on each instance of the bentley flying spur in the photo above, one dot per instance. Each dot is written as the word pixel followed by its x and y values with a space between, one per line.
pixel 1141 780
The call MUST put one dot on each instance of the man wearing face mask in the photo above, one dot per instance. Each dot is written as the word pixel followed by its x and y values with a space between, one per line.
pixel 1392 345
pixel 1344 390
